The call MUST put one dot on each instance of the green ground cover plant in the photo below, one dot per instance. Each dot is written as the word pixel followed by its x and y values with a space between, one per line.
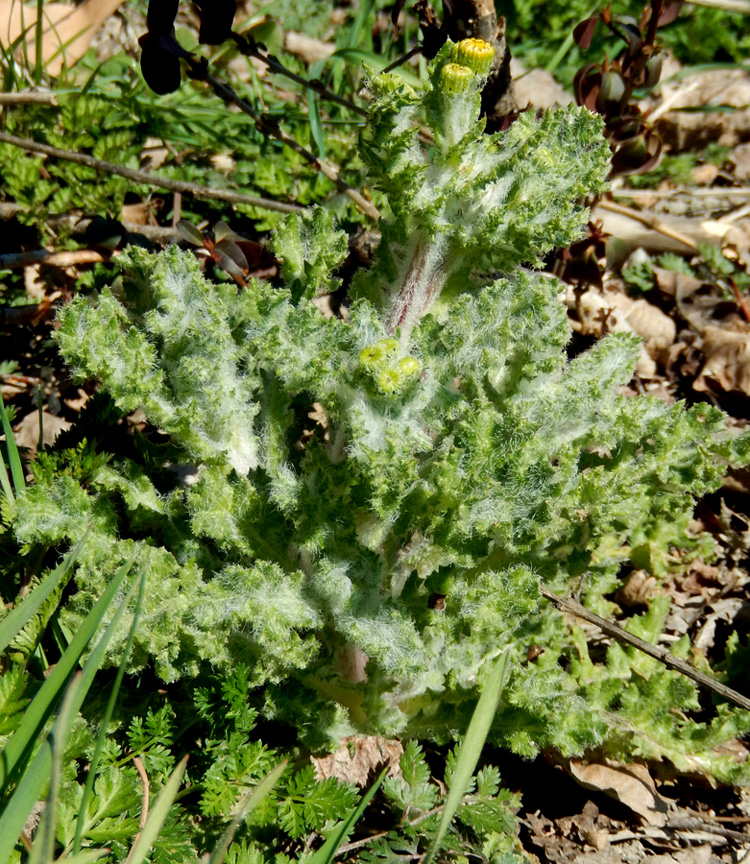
pixel 341 523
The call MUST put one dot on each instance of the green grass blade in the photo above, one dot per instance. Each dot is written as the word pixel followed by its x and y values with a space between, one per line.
pixel 246 806
pixel 33 780
pixel 38 34
pixel 87 856
pixel 316 123
pixel 566 45
pixel 18 748
pixel 99 746
pixel 43 851
pixel 20 616
pixel 327 851
pixel 40 412
pixel 471 748
pixel 158 814
pixel 14 459
pixel 5 481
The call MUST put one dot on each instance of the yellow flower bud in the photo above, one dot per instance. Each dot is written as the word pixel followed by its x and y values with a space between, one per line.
pixel 476 54
pixel 455 79
pixel 385 83
pixel 378 354
pixel 389 381
pixel 409 367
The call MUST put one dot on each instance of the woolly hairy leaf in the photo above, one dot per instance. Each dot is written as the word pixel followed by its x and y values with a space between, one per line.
pixel 377 500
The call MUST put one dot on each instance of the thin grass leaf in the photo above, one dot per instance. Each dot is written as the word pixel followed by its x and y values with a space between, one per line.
pixel 40 411
pixel 38 35
pixel 157 815
pixel 43 850
pixel 87 856
pixel 32 782
pixel 99 746
pixel 327 851
pixel 5 481
pixel 246 806
pixel 19 746
pixel 14 459
pixel 316 123
pixel 20 616
pixel 471 748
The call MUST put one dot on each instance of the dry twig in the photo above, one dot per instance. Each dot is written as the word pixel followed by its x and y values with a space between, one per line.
pixel 147 178
pixel 661 654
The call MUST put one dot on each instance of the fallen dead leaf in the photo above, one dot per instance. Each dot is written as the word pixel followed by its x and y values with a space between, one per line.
pixel 727 361
pixel 693 129
pixel 639 588
pixel 66 34
pixel 631 785
pixel 695 855
pixel 657 330
pixel 704 175
pixel 358 758
pixel 26 431
pixel 741 159
pixel 141 213
pixel 676 284
pixel 309 49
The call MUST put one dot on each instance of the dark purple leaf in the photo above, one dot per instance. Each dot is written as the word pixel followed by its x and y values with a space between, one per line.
pixel 217 17
pixel 229 265
pixel 229 249
pixel 611 94
pixel 652 72
pixel 251 250
pixel 586 85
pixel 160 17
pixel 189 232
pixel 637 156
pixel 669 12
pixel 160 65
pixel 584 32
pixel 396 11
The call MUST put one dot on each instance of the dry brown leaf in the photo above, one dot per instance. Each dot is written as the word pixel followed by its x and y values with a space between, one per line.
pixel 631 785
pixel 615 312
pixel 639 588
pixel 609 855
pixel 34 283
pixel 66 34
pixel 141 213
pixel 694 855
pixel 727 362
pixel 359 758
pixel 684 129
pixel 741 158
pixel 704 175
pixel 676 284
pixel 657 330
pixel 26 431
pixel 309 49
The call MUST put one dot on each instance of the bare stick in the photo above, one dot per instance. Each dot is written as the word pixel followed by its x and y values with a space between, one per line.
pixel 65 258
pixel 660 654
pixel 147 178
pixel 144 801
pixel 30 97
pixel 649 221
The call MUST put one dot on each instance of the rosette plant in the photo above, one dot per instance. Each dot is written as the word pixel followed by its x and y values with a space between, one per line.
pixel 362 509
